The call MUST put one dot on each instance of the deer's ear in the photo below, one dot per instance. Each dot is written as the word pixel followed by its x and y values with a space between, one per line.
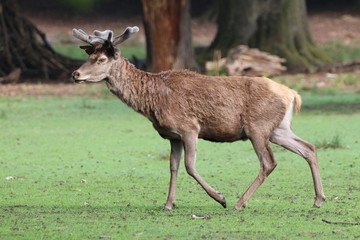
pixel 88 49
pixel 109 49
pixel 112 51
pixel 116 53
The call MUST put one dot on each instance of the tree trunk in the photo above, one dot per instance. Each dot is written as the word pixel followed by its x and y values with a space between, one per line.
pixel 168 34
pixel 276 26
pixel 24 46
pixel 236 23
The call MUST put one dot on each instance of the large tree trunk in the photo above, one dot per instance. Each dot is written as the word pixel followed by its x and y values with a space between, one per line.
pixel 276 26
pixel 168 34
pixel 236 23
pixel 23 46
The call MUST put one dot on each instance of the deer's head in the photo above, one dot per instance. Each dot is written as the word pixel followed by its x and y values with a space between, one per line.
pixel 102 53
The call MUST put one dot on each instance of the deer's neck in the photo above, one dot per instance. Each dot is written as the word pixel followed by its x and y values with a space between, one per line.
pixel 138 89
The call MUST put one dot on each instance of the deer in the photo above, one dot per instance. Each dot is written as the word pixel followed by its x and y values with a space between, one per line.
pixel 185 106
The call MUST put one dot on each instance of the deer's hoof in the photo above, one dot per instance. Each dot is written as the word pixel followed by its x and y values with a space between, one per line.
pixel 167 208
pixel 319 201
pixel 240 206
pixel 223 202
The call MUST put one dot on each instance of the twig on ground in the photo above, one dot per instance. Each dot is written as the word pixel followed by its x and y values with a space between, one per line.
pixel 334 222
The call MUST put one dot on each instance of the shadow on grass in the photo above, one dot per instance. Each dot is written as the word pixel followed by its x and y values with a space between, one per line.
pixel 340 108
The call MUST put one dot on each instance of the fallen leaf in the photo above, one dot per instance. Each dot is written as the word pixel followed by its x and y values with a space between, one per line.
pixel 83 181
pixel 138 234
pixel 105 237
pixel 61 228
pixel 10 178
pixel 200 216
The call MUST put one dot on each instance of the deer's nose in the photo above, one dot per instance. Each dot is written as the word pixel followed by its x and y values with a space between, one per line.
pixel 75 75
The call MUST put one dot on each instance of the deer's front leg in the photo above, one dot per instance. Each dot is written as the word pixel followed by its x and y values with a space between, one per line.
pixel 190 142
pixel 175 157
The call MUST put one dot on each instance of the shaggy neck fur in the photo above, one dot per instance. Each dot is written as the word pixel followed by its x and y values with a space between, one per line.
pixel 140 90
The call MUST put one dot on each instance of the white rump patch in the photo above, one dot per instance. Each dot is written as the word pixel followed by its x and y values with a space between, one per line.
pixel 286 122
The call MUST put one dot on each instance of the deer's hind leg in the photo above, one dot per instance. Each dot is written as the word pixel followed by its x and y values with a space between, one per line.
pixel 287 139
pixel 284 137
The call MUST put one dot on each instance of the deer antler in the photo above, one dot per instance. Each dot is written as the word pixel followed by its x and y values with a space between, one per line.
pixel 100 37
pixel 80 34
pixel 104 34
pixel 129 31
pixel 103 38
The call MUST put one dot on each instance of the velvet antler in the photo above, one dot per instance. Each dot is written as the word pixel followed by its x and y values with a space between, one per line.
pixel 129 31
pixel 103 39
pixel 100 37
pixel 94 40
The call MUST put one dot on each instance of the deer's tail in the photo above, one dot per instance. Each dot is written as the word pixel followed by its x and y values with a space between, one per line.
pixel 298 102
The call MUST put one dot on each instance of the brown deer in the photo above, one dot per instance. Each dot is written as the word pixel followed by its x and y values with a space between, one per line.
pixel 184 106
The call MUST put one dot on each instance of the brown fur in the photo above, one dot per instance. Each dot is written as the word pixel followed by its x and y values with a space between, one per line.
pixel 184 106
pixel 222 109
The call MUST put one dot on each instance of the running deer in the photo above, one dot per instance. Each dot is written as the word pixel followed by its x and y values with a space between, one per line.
pixel 184 106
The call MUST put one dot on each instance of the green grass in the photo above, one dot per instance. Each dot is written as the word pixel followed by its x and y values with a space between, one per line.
pixel 335 142
pixel 76 53
pixel 49 145
pixel 330 101
pixel 320 83
pixel 342 52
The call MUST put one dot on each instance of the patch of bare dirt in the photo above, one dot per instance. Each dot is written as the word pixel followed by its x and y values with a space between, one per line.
pixel 53 89
pixel 332 26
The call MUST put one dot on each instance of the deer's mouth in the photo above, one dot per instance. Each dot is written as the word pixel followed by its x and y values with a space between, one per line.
pixel 78 81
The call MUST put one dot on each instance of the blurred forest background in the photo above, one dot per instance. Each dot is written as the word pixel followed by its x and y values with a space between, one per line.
pixel 312 35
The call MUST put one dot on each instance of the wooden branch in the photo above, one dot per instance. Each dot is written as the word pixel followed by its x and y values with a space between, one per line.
pixel 243 60
pixel 5 36
pixel 13 77
pixel 348 223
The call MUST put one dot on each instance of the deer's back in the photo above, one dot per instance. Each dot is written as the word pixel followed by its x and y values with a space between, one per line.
pixel 220 108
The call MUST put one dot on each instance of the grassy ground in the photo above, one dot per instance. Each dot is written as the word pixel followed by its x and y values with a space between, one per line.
pixel 87 168
pixel 342 52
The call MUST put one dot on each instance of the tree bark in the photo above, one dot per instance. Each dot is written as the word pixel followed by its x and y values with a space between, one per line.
pixel 276 26
pixel 24 46
pixel 236 23
pixel 168 34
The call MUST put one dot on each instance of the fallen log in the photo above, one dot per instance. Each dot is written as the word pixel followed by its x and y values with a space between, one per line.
pixel 13 77
pixel 245 61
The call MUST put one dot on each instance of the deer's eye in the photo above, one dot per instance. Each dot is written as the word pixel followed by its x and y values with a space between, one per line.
pixel 101 60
